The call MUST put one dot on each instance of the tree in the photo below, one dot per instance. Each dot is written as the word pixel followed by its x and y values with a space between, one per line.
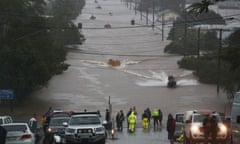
pixel 201 7
pixel 32 50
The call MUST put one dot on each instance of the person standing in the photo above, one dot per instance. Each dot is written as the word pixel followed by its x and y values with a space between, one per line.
pixel 3 134
pixel 155 118
pixel 132 121
pixel 145 121
pixel 33 123
pixel 128 114
pixel 122 118
pixel 214 128
pixel 149 115
pixel 171 124
pixel 118 120
pixel 207 128
pixel 160 117
pixel 107 118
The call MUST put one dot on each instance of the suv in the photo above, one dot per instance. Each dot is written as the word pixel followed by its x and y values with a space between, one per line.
pixel 193 127
pixel 5 119
pixel 85 127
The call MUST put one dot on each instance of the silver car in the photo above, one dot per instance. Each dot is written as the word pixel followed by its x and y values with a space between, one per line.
pixel 18 133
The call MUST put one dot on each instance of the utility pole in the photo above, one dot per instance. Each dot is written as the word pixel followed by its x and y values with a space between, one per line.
pixel 219 60
pixel 163 27
pixel 147 17
pixel 153 14
pixel 135 6
pixel 141 9
pixel 185 30
pixel 198 43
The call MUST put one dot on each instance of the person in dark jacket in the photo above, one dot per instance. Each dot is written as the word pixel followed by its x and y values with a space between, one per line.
pixel 171 123
pixel 3 134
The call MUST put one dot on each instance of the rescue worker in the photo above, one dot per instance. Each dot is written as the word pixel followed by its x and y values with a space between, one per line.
pixel 149 114
pixel 132 121
pixel 145 117
pixel 155 116
pixel 180 138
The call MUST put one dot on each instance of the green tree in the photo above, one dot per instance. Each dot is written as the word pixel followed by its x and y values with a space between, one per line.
pixel 33 48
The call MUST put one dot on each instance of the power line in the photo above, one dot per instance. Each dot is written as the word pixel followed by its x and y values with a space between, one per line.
pixel 127 55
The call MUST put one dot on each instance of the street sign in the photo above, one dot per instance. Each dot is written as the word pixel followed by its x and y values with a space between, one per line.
pixel 6 94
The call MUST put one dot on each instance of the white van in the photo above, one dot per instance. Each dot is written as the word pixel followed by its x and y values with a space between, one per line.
pixel 235 119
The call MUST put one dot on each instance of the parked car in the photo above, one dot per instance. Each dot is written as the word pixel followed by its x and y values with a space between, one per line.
pixel 194 130
pixel 85 127
pixel 56 131
pixel 179 124
pixel 5 119
pixel 18 133
pixel 55 113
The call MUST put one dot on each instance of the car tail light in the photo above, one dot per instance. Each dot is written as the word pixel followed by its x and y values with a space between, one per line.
pixel 26 136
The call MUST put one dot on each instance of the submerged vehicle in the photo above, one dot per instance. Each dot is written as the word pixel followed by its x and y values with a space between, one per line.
pixel 92 17
pixel 171 82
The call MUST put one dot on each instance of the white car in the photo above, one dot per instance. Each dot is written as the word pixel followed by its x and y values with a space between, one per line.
pixel 193 127
pixel 85 127
pixel 18 133
pixel 5 119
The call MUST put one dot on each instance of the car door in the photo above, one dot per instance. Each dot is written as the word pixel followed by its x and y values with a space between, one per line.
pixel 179 124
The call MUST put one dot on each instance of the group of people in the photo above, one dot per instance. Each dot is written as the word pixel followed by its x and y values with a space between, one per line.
pixel 210 126
pixel 155 114
pixel 131 118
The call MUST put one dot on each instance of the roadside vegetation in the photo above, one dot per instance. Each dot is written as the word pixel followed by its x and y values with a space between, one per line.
pixel 213 60
pixel 34 35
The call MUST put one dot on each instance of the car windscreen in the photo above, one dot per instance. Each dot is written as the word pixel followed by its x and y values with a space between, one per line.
pixel 58 121
pixel 200 118
pixel 84 120
pixel 15 127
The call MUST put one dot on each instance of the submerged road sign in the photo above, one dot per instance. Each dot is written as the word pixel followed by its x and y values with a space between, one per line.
pixel 6 94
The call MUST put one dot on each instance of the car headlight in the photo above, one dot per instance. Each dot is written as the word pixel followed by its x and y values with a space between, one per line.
pixel 223 128
pixel 49 130
pixel 195 129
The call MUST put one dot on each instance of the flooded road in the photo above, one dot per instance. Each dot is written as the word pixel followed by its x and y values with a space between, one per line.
pixel 141 78
pixel 139 81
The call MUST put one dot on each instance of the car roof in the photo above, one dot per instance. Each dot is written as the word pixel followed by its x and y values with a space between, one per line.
pixel 4 116
pixel 205 111
pixel 14 124
pixel 84 115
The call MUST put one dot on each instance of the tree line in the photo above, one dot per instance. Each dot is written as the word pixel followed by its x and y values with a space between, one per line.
pixel 33 38
pixel 213 59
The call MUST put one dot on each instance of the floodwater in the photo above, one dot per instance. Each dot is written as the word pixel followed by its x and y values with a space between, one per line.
pixel 139 81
